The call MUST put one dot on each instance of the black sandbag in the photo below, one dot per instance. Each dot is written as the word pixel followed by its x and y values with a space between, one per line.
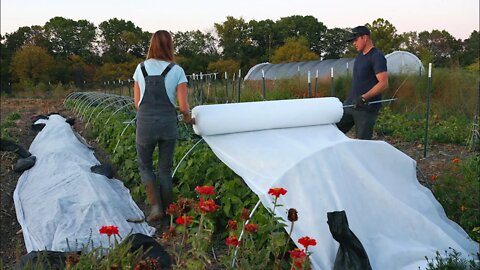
pixel 38 127
pixel 152 249
pixel 38 117
pixel 43 260
pixel 351 255
pixel 10 146
pixel 103 169
pixel 70 121
pixel 24 164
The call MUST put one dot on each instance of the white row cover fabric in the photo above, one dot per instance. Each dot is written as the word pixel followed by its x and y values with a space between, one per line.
pixel 210 119
pixel 60 198
pixel 397 220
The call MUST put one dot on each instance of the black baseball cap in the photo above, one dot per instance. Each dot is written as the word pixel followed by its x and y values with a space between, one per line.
pixel 358 32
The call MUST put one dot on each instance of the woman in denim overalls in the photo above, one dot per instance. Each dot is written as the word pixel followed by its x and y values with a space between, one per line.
pixel 158 80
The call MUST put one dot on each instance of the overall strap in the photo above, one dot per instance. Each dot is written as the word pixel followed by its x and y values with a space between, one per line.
pixel 167 69
pixel 144 71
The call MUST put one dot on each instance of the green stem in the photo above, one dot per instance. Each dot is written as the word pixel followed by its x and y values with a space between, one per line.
pixel 274 206
pixel 275 262
pixel 288 240
pixel 199 233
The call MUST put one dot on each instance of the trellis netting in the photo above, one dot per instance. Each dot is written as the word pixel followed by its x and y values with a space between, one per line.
pixel 61 204
pixel 295 145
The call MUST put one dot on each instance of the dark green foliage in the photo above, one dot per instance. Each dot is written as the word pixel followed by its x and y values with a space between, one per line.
pixel 457 189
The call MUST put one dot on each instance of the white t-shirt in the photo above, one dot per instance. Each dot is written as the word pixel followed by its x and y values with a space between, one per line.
pixel 154 67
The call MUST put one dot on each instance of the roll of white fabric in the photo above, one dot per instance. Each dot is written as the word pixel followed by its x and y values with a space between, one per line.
pixel 264 115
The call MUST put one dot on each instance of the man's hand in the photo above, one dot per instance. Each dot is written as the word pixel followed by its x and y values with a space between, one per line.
pixel 187 118
pixel 361 102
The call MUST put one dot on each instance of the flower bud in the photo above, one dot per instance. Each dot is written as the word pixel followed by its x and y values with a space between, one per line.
pixel 292 214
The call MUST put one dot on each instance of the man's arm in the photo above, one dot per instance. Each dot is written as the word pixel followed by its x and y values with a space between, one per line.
pixel 378 88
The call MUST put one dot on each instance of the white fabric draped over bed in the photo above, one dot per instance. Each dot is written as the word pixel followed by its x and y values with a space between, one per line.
pixel 294 144
pixel 60 198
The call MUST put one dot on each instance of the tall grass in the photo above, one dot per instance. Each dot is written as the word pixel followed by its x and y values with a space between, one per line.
pixel 453 91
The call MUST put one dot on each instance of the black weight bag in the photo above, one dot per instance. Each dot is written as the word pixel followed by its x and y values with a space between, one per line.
pixel 351 255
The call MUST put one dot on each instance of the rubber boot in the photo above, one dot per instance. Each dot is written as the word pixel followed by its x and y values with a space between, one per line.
pixel 153 199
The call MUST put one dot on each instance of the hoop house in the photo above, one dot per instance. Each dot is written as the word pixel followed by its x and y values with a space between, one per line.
pixel 398 62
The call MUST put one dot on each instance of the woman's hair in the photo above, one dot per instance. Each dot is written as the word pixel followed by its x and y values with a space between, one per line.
pixel 161 46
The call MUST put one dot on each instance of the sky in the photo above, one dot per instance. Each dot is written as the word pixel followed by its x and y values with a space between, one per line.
pixel 458 17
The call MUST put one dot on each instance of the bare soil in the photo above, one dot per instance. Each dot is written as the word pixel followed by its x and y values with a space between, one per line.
pixel 11 239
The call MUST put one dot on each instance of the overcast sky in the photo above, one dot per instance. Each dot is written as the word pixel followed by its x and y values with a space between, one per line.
pixel 458 17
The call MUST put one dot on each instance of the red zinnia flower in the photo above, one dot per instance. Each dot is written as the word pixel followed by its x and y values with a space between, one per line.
pixel 434 178
pixel 109 230
pixel 208 206
pixel 173 209
pixel 205 190
pixel 232 225
pixel 232 241
pixel 170 233
pixel 456 160
pixel 307 241
pixel 245 214
pixel 297 254
pixel 251 228
pixel 277 192
pixel 298 264
pixel 183 220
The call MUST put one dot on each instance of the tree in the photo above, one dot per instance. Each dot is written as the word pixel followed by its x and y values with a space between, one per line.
pixel 410 42
pixel 471 50
pixel 335 45
pixel 234 38
pixel 32 64
pixel 294 50
pixel 221 66
pixel 303 26
pixel 14 41
pixel 384 35
pixel 4 66
pixel 195 50
pixel 121 41
pixel 25 35
pixel 442 46
pixel 263 35
pixel 67 37
pixel 115 72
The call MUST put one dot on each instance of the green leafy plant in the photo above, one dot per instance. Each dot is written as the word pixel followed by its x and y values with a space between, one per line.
pixel 453 188
pixel 451 260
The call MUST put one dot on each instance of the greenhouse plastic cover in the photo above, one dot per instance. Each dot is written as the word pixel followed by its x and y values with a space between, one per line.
pixel 398 62
pixel 60 198
pixel 397 220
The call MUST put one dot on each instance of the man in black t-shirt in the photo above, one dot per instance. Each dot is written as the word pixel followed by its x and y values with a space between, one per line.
pixel 370 79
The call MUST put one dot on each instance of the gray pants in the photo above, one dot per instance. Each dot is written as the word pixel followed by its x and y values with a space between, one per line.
pixel 164 136
pixel 363 121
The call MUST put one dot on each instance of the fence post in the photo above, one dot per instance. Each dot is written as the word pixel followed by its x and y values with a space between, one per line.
pixel 263 86
pixel 309 85
pixel 332 91
pixel 429 85
pixel 226 87
pixel 239 83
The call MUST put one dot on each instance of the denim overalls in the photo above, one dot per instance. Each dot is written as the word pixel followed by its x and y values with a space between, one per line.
pixel 156 125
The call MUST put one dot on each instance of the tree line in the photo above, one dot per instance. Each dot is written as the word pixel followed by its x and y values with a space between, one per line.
pixel 68 51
